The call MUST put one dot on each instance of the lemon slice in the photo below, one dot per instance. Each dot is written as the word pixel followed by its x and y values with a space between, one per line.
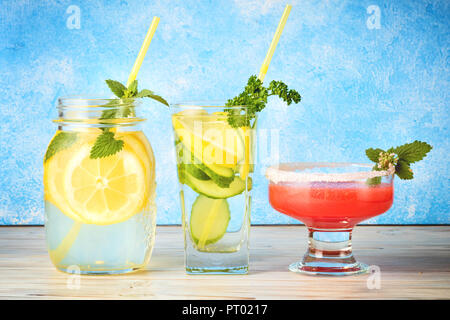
pixel 139 144
pixel 126 179
pixel 54 170
pixel 211 140
pixel 106 190
pixel 246 135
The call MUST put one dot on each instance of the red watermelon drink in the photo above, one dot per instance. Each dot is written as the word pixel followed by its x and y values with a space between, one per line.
pixel 331 205
pixel 330 198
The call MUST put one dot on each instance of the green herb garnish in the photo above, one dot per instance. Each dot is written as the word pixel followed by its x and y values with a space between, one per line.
pixel 107 144
pixel 254 98
pixel 124 93
pixel 132 91
pixel 61 141
pixel 398 159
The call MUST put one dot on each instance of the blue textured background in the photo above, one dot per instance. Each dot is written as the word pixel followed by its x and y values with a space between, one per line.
pixel 361 87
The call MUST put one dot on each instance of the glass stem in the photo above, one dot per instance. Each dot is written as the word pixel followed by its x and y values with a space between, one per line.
pixel 329 253
pixel 334 243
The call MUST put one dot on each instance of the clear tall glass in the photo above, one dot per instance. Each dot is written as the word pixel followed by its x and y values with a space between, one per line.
pixel 215 164
pixel 99 188
pixel 330 198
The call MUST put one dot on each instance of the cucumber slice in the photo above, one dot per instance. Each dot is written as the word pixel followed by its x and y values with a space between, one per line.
pixel 209 220
pixel 210 189
pixel 196 172
pixel 220 175
pixel 186 160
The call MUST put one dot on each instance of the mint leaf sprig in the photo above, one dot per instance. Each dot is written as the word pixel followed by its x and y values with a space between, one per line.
pixel 398 159
pixel 107 144
pixel 132 91
pixel 63 140
pixel 254 98
pixel 122 93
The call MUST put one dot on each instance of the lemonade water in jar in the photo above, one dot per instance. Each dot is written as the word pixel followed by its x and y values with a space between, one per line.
pixel 99 188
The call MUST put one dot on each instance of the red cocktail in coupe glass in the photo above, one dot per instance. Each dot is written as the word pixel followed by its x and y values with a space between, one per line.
pixel 330 199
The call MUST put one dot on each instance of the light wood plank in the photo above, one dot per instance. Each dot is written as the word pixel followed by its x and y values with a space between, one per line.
pixel 414 262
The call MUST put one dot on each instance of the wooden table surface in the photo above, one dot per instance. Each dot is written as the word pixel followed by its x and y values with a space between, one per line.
pixel 414 264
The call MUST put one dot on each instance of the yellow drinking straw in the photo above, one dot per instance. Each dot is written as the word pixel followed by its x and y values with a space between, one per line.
pixel 64 246
pixel 59 253
pixel 246 166
pixel 262 75
pixel 273 45
pixel 143 51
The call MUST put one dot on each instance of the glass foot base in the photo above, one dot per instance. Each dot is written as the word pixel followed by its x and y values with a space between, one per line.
pixel 98 272
pixel 329 253
pixel 234 270
pixel 201 262
pixel 355 268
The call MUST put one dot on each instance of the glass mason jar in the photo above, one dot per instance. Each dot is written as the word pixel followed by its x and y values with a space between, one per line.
pixel 99 188
pixel 215 165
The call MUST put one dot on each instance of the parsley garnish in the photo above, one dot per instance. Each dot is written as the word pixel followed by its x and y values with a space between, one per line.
pixel 398 158
pixel 254 98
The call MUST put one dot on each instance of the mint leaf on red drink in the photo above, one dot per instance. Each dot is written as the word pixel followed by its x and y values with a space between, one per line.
pixel 373 154
pixel 398 159
pixel 403 170
pixel 413 152
pixel 254 99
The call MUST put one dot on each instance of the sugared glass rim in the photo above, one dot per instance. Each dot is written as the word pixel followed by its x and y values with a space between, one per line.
pixel 287 172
